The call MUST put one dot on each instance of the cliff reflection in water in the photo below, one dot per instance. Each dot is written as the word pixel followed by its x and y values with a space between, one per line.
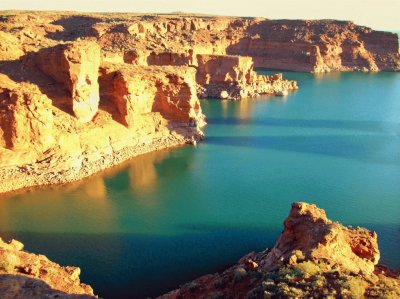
pixel 99 204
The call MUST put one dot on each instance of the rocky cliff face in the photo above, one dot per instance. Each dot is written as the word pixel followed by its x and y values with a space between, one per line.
pixel 319 46
pixel 78 115
pixel 233 77
pixel 80 93
pixel 76 67
pixel 296 45
pixel 27 275
pixel 313 258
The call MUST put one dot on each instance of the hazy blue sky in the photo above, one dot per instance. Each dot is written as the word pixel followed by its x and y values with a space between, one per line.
pixel 378 14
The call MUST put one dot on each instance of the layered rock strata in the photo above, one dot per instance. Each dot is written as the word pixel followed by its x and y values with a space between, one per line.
pixel 218 76
pixel 233 77
pixel 52 104
pixel 313 258
pixel 62 123
pixel 296 45
pixel 27 275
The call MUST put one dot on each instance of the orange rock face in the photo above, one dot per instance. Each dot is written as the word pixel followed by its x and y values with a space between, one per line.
pixel 76 67
pixel 318 46
pixel 27 275
pixel 310 235
pixel 138 90
pixel 26 122
pixel 58 124
pixel 233 77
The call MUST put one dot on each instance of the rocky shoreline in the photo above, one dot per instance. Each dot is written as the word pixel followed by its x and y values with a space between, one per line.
pixel 313 258
pixel 15 178
pixel 80 93
pixel 27 275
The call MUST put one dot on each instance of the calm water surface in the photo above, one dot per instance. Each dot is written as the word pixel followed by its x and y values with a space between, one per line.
pixel 165 218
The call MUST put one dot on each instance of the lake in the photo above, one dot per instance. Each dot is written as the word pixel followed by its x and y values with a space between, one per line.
pixel 164 218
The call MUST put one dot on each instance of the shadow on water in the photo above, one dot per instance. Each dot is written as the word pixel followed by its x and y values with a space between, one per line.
pixel 361 148
pixel 367 126
pixel 144 265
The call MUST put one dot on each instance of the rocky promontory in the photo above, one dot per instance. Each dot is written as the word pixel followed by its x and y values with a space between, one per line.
pixel 314 257
pixel 27 275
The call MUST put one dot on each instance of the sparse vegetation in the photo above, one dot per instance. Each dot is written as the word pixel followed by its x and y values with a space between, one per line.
pixel 8 262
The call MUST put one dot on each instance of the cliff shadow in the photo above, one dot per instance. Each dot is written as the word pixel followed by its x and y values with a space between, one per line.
pixel 24 70
pixel 74 27
pixel 30 287
pixel 363 148
pixel 363 126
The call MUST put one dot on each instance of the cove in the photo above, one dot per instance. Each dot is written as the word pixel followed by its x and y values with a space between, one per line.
pixel 167 217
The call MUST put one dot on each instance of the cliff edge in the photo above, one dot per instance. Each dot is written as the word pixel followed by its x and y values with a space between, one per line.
pixel 27 275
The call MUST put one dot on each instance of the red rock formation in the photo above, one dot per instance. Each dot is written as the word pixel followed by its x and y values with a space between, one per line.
pixel 318 46
pixel 142 109
pixel 171 91
pixel 233 77
pixel 26 122
pixel 76 67
pixel 309 235
pixel 314 257
pixel 110 124
pixel 168 58
pixel 27 275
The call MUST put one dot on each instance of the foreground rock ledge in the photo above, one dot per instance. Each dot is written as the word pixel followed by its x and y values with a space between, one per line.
pixel 27 275
pixel 313 258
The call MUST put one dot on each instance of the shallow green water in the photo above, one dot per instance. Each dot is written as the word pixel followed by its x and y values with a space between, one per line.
pixel 168 217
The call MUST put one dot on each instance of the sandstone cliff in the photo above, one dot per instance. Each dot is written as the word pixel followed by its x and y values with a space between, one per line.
pixel 65 115
pixel 27 275
pixel 80 93
pixel 233 77
pixel 313 258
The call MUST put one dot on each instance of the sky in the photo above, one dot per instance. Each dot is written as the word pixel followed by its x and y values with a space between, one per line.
pixel 378 14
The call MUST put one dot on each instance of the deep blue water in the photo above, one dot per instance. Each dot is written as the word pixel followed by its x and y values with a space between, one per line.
pixel 164 218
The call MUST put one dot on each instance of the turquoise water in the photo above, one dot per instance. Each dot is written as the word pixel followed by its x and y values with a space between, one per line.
pixel 165 218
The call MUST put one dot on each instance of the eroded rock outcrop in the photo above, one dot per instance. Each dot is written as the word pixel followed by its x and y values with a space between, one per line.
pixel 26 122
pixel 76 67
pixel 55 129
pixel 310 235
pixel 138 90
pixel 27 275
pixel 233 77
pixel 297 45
pixel 313 258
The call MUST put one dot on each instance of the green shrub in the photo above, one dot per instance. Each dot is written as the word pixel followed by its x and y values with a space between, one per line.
pixel 8 262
